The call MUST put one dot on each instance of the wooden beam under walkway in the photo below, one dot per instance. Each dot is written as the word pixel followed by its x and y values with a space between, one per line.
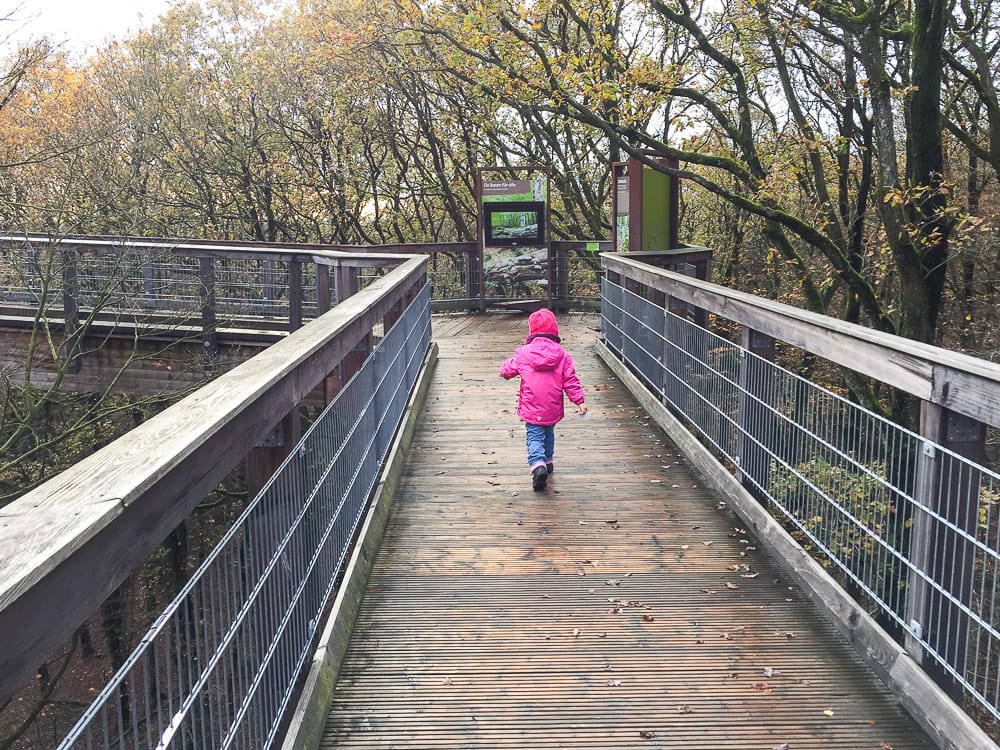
pixel 623 607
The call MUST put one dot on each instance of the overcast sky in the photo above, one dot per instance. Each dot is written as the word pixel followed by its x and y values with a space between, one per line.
pixel 80 24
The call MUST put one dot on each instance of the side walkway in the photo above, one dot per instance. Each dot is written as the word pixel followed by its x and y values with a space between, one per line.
pixel 623 607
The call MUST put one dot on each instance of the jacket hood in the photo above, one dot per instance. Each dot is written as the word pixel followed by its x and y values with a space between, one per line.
pixel 543 353
pixel 542 321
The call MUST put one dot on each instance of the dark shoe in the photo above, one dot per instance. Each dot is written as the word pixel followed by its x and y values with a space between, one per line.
pixel 538 478
pixel 550 468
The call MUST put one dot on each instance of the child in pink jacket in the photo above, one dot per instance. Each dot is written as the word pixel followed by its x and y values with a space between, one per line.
pixel 546 370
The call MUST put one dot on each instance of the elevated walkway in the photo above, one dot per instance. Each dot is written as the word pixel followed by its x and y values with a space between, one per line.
pixel 626 606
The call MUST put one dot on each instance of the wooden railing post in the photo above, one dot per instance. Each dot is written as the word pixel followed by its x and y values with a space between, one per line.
pixel 346 282
pixel 560 277
pixel 209 323
pixel 294 295
pixel 702 271
pixel 71 310
pixel 943 525
pixel 355 359
pixel 394 314
pixel 754 416
pixel 674 356
pixel 265 458
pixel 270 289
pixel 475 281
pixel 656 320
pixel 611 311
pixel 150 292
pixel 323 296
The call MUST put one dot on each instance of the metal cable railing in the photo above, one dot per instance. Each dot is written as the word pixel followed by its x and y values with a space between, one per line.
pixel 218 668
pixel 843 480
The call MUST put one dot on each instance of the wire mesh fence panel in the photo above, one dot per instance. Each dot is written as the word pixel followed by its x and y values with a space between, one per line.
pixel 218 668
pixel 447 274
pixel 583 277
pixel 261 287
pixel 909 527
pixel 136 282
pixel 30 274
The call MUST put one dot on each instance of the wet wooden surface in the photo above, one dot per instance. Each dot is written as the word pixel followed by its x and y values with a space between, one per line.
pixel 622 607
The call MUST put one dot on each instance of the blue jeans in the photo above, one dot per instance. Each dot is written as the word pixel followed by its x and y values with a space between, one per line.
pixel 541 439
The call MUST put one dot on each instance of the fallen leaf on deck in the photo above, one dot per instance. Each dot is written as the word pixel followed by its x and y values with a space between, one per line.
pixel 648 618
pixel 613 582
pixel 647 735
pixel 828 712
pixel 615 683
pixel 576 632
pixel 685 709
pixel 731 585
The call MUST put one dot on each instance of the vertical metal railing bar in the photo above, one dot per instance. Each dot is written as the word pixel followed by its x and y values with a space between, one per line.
pixel 234 677
pixel 158 686
pixel 850 472
pixel 146 702
pixel 211 645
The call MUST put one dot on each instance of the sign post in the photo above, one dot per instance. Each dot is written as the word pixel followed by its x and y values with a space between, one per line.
pixel 645 206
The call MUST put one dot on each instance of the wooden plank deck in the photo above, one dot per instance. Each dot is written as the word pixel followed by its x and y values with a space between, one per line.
pixel 623 607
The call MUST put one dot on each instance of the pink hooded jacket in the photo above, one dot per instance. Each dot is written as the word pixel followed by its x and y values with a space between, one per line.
pixel 546 370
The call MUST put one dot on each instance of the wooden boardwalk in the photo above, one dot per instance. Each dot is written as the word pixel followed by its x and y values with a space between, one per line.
pixel 623 607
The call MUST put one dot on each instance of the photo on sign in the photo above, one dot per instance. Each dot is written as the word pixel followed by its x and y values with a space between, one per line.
pixel 513 223
pixel 516 272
